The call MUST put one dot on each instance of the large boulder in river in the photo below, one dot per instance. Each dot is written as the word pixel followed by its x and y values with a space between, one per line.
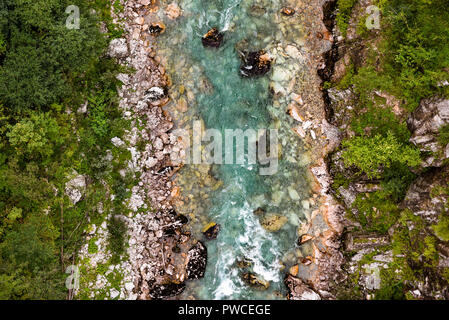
pixel 425 123
pixel 213 38
pixel 255 63
pixel 164 291
pixel 254 281
pixel 197 261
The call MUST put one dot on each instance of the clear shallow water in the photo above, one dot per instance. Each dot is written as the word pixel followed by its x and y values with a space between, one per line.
pixel 208 79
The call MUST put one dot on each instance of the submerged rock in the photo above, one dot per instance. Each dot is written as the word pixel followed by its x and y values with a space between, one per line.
pixel 255 63
pixel 197 261
pixel 213 38
pixel 273 223
pixel 257 10
pixel 163 291
pixel 259 211
pixel 254 281
pixel 211 230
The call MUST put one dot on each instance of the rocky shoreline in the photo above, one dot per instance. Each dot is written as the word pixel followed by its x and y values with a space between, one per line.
pixel 161 255
pixel 354 257
pixel 325 227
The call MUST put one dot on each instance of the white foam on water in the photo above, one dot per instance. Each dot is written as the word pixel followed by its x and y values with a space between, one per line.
pixel 252 244
pixel 227 15
pixel 225 276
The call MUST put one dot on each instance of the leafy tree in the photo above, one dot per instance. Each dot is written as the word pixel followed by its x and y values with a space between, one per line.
pixel 370 154
pixel 36 137
pixel 43 54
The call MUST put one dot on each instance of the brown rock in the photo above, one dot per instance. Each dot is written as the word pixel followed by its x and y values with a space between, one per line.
pixel 211 230
pixel 213 38
pixel 254 281
pixel 288 11
pixel 304 238
pixel 173 11
pixel 294 270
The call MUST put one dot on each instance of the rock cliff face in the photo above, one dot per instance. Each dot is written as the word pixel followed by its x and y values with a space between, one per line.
pixel 425 124
pixel 362 256
pixel 427 199
pixel 315 275
pixel 423 197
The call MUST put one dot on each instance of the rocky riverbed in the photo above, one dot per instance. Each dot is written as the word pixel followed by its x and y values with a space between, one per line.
pixel 162 254
pixel 170 208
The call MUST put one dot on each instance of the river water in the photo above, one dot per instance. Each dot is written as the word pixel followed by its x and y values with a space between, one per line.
pixel 206 86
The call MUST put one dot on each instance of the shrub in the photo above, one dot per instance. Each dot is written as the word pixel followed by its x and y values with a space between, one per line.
pixel 370 154
pixel 117 231
pixel 442 228
pixel 36 137
pixel 344 14
pixel 443 135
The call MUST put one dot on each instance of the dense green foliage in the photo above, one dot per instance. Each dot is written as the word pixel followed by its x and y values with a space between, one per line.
pixel 442 228
pixel 344 13
pixel 371 153
pixel 404 62
pixel 47 72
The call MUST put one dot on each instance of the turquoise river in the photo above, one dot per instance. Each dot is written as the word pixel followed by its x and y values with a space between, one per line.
pixel 207 86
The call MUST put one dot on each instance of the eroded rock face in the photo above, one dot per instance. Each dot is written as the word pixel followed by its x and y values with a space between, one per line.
pixel 422 197
pixel 197 261
pixel 425 123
